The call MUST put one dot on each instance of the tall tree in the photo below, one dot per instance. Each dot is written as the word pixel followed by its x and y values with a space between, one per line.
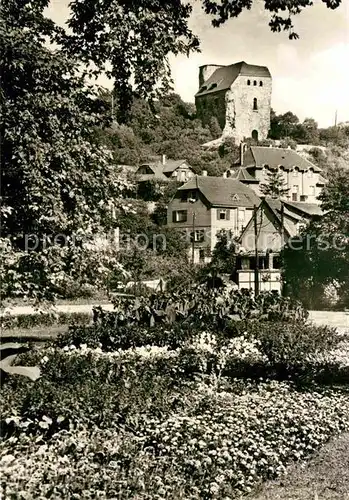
pixel 275 185
pixel 56 183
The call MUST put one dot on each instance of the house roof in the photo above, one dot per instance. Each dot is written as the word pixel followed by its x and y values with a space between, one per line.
pixel 275 207
pixel 242 174
pixel 309 209
pixel 157 168
pixel 224 76
pixel 221 192
pixel 172 165
pixel 278 157
pixel 160 169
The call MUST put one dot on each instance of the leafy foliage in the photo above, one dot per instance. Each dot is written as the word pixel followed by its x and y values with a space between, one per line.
pixel 320 256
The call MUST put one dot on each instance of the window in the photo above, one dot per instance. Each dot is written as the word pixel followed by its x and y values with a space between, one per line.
pixel 255 135
pixel 212 86
pixel 295 172
pixel 303 197
pixel 199 236
pixel 312 190
pixel 241 218
pixel 179 216
pixel 235 197
pixel 223 214
pixel 202 255
pixel 255 105
pixel 261 83
pixel 310 173
pixel 295 192
pixel 248 82
pixel 255 83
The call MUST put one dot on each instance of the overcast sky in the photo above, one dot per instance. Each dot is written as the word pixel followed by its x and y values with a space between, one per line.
pixel 310 75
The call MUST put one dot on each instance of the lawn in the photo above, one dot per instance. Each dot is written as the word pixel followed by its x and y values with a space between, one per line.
pixel 324 477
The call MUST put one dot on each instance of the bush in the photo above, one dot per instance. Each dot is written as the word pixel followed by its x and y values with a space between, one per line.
pixel 26 321
pixel 289 347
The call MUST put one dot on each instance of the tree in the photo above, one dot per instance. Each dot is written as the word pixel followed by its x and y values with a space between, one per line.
pixel 57 183
pixel 275 185
pixel 223 259
pixel 282 126
pixel 319 258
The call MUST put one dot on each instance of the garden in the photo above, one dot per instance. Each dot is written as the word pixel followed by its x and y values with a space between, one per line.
pixel 204 393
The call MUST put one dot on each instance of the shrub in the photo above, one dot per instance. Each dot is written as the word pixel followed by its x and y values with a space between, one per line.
pixel 26 321
pixel 288 347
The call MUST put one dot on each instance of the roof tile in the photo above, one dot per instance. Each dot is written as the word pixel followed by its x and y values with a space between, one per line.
pixel 220 191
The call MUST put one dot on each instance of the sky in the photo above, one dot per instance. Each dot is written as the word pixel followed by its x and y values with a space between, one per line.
pixel 310 75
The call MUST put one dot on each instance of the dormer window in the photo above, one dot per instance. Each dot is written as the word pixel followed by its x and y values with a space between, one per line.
pixel 255 105
pixel 235 197
pixel 295 172
pixel 255 83
pixel 248 82
pixel 212 86
pixel 261 83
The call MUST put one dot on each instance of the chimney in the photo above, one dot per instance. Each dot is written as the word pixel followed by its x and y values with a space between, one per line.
pixel 204 173
pixel 242 149
pixel 164 159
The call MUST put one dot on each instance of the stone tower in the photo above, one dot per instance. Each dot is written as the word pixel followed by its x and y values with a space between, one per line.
pixel 239 96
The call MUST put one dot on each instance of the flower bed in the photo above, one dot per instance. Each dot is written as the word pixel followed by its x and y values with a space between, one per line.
pixel 158 422
pixel 219 446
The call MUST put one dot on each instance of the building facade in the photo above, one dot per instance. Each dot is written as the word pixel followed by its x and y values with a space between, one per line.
pixel 204 206
pixel 239 96
pixel 302 178
pixel 274 223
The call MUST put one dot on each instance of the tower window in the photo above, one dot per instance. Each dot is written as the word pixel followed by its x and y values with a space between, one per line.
pixel 255 83
pixel 248 82
pixel 261 83
pixel 255 105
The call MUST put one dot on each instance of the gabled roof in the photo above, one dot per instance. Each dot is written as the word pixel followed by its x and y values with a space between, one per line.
pixel 159 169
pixel 275 207
pixel 278 157
pixel 224 76
pixel 242 174
pixel 172 165
pixel 221 192
pixel 156 168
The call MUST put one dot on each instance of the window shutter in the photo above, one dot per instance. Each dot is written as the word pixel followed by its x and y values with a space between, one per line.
pixel 228 214
pixel 218 214
pixel 173 216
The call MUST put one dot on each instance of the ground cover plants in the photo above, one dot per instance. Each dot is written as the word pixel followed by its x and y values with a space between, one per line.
pixel 171 409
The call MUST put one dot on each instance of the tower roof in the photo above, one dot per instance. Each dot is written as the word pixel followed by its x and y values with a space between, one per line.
pixel 224 76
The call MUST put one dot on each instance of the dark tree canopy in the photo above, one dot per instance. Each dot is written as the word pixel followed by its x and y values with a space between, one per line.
pixel 320 257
